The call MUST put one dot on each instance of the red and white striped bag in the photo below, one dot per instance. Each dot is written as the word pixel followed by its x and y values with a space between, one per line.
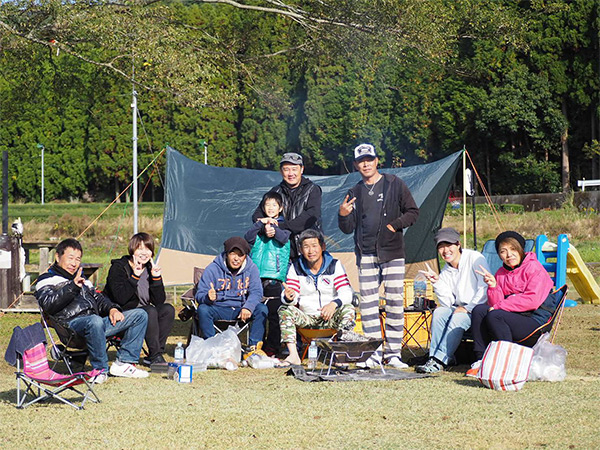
pixel 505 366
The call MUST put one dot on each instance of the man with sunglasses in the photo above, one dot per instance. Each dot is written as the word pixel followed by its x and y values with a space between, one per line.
pixel 301 200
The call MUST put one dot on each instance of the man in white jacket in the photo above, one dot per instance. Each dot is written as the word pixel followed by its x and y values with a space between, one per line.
pixel 458 289
pixel 317 293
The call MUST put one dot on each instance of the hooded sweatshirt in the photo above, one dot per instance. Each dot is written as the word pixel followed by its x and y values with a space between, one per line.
pixel 521 289
pixel 242 290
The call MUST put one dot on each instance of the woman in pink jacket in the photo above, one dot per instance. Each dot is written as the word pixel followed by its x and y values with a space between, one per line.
pixel 520 286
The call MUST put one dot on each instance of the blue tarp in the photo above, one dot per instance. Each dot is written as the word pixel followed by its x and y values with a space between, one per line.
pixel 204 205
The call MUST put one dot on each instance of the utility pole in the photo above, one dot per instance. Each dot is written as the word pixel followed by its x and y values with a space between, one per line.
pixel 135 167
pixel 42 148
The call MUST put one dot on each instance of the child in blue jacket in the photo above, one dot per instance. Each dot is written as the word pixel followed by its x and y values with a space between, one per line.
pixel 271 253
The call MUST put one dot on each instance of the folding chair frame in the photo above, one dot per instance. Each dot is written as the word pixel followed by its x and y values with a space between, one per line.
pixel 551 325
pixel 33 383
pixel 73 348
pixel 410 333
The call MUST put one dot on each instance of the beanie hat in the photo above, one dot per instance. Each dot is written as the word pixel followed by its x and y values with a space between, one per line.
pixel 510 234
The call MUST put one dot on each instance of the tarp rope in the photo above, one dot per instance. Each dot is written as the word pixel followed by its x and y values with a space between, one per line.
pixel 97 218
pixel 119 196
pixel 488 198
pixel 150 148
pixel 104 269
pixel 147 183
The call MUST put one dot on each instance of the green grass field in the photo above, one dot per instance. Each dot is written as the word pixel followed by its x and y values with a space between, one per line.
pixel 267 409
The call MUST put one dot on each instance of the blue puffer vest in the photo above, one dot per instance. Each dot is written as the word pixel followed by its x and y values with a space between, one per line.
pixel 271 257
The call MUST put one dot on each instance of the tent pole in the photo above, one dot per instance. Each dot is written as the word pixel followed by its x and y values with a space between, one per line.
pixel 464 173
pixel 474 192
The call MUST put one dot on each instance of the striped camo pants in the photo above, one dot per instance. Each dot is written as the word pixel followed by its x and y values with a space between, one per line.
pixel 370 275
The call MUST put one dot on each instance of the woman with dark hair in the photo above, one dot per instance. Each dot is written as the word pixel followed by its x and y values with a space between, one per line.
pixel 517 290
pixel 134 281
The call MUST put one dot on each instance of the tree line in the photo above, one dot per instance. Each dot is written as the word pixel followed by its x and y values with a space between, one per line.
pixel 515 83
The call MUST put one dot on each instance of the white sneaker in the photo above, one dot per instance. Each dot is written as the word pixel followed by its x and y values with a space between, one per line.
pixel 100 378
pixel 396 363
pixel 374 362
pixel 119 369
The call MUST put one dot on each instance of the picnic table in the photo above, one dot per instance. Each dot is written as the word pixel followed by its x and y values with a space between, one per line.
pixel 46 249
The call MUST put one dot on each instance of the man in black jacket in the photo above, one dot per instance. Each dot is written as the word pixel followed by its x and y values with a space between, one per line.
pixel 377 210
pixel 301 200
pixel 63 293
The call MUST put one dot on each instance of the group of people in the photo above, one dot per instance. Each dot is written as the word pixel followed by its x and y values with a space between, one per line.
pixel 280 277
pixel 507 306
pixel 132 306
pixel 302 284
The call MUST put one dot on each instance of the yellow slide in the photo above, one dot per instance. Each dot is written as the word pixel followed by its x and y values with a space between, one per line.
pixel 582 278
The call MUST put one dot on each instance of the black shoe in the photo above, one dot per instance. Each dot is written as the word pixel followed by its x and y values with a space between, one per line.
pixel 158 359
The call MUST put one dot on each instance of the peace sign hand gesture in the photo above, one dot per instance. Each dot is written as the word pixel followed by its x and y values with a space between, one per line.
pixel 79 280
pixel 156 269
pixel 430 274
pixel 347 206
pixel 487 277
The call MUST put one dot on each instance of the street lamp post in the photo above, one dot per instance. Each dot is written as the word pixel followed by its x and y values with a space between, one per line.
pixel 42 148
pixel 204 144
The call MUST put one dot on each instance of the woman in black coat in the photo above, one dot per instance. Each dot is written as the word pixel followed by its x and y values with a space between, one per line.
pixel 134 281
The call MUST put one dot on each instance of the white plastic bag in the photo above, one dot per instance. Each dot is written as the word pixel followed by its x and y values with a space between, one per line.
pixel 257 361
pixel 223 350
pixel 548 362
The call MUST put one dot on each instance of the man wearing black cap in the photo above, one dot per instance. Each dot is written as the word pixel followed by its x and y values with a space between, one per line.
pixel 230 289
pixel 377 210
pixel 301 199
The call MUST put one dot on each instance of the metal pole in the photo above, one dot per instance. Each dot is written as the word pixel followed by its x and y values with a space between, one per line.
pixel 204 144
pixel 471 193
pixel 4 192
pixel 42 148
pixel 135 167
pixel 474 180
pixel 42 174
pixel 464 173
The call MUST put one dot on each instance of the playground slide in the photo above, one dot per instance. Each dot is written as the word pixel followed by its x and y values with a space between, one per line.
pixel 581 277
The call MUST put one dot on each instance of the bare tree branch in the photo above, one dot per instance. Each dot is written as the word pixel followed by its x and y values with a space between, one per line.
pixel 57 45
pixel 291 13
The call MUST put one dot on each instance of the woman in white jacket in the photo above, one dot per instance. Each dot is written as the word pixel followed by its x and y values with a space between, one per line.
pixel 458 289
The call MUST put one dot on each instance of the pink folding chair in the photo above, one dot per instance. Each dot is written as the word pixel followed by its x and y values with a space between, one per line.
pixel 36 379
